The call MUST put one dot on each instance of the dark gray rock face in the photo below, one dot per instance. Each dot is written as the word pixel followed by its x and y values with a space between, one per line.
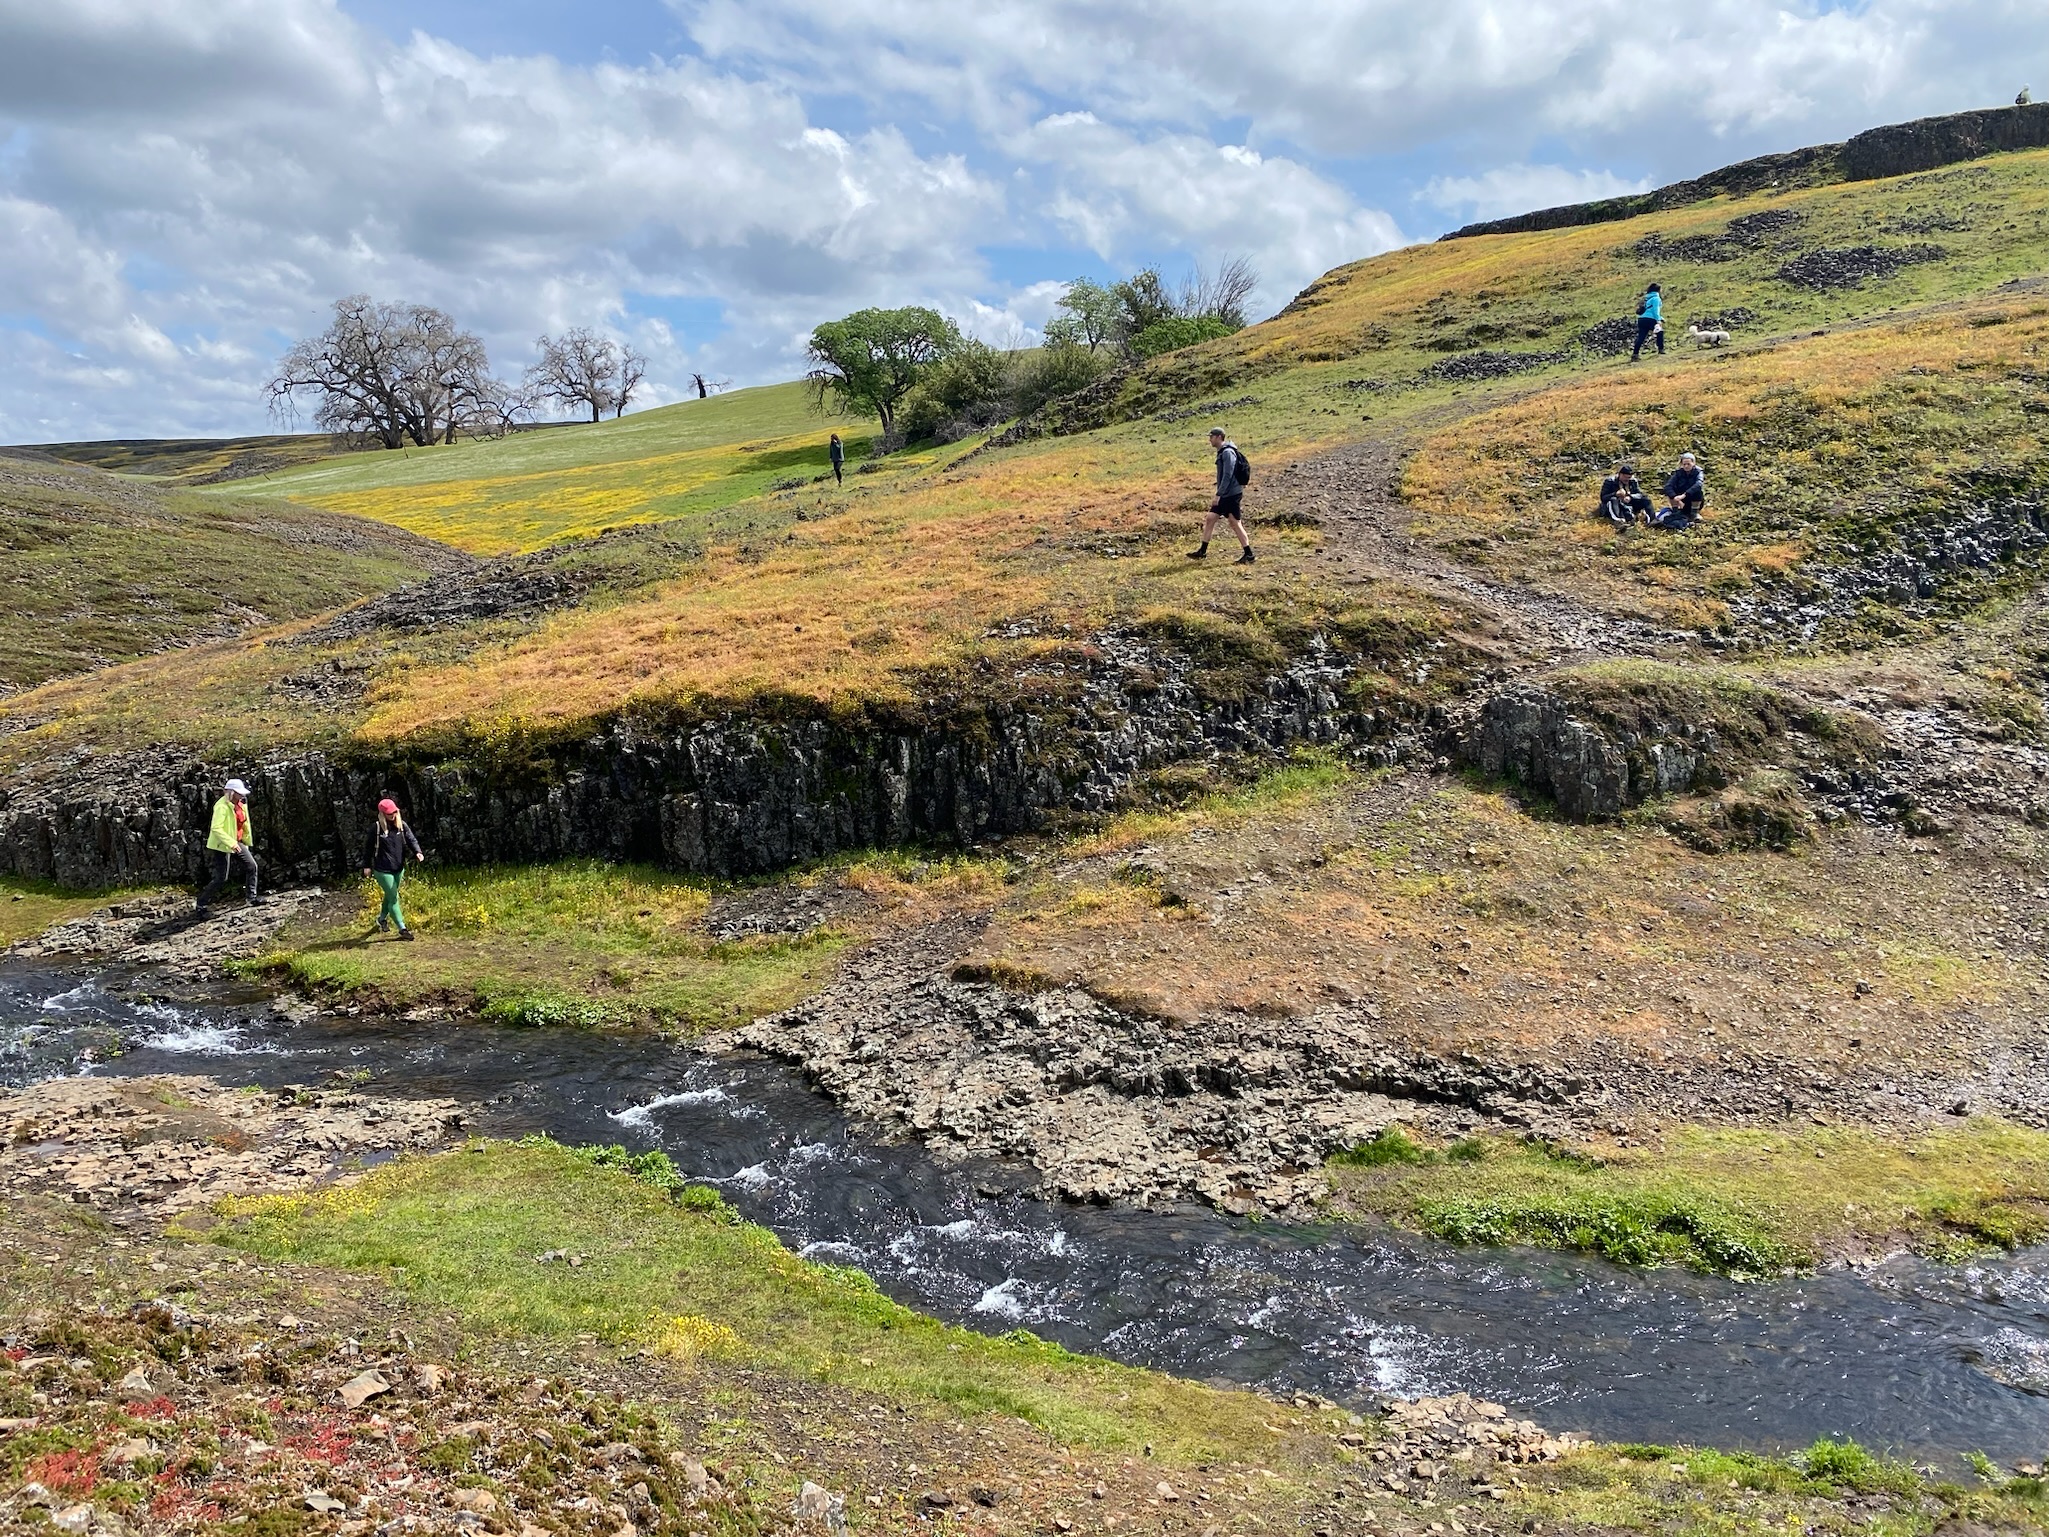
pixel 1928 142
pixel 1534 739
pixel 734 796
pixel 1892 150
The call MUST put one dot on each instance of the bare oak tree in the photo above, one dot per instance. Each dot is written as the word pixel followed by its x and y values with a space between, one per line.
pixel 581 370
pixel 392 374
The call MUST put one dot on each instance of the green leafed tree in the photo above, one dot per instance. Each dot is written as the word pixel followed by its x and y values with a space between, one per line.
pixel 1089 317
pixel 866 363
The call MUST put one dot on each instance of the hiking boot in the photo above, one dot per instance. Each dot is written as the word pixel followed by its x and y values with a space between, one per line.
pixel 1201 554
pixel 405 933
pixel 383 926
pixel 202 911
pixel 1244 558
pixel 258 901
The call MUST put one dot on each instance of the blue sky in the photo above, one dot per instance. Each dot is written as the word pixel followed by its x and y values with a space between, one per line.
pixel 187 185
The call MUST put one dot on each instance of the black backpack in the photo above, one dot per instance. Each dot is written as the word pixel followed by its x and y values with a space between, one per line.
pixel 1241 470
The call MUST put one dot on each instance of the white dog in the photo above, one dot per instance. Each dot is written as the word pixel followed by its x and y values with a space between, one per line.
pixel 1708 338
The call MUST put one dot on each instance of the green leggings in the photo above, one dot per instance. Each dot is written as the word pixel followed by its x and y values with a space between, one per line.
pixel 388 884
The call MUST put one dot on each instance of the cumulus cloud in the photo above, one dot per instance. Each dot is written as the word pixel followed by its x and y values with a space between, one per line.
pixel 186 184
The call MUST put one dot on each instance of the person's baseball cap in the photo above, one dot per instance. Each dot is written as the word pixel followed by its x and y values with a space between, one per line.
pixel 388 807
pixel 1625 469
pixel 236 787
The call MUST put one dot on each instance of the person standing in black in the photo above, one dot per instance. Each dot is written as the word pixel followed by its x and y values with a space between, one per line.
pixel 837 451
pixel 1229 505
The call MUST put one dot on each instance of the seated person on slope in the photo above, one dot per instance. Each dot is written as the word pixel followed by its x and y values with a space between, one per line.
pixel 1622 497
pixel 1685 495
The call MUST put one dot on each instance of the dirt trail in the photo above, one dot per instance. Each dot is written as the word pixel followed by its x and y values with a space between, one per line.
pixel 1353 493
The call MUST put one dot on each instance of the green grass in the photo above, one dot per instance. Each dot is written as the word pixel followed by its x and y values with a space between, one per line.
pixel 1707 1493
pixel 101 570
pixel 531 488
pixel 461 1230
pixel 574 943
pixel 1728 1200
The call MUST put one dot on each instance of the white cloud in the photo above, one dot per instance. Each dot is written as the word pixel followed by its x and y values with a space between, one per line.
pixel 1370 76
pixel 1510 189
pixel 186 184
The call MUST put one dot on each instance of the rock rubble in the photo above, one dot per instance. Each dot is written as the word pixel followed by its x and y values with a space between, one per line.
pixel 1240 1110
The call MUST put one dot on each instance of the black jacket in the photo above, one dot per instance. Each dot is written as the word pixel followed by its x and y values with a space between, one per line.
pixel 388 849
pixel 1683 482
pixel 1612 489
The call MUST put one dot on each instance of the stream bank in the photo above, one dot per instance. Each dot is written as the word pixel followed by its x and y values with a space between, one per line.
pixel 1353 1315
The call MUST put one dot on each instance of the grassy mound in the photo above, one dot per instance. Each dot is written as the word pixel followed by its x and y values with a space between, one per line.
pixel 531 488
pixel 673 1268
pixel 104 570
pixel 942 570
pixel 1827 452
pixel 1733 1201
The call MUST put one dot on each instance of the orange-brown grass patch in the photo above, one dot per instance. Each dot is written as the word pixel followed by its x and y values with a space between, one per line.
pixel 843 608
pixel 1464 921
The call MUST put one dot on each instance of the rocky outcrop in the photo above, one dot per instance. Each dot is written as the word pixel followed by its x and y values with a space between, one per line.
pixel 1239 1110
pixel 1937 557
pixel 1928 142
pixel 730 796
pixel 1537 740
pixel 1893 150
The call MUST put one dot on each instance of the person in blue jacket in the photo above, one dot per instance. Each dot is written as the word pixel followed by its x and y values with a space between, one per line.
pixel 1650 321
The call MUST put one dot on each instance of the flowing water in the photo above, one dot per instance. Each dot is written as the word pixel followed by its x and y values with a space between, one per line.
pixel 1917 1358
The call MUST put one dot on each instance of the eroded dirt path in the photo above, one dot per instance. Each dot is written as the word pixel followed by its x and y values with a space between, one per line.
pixel 1354 494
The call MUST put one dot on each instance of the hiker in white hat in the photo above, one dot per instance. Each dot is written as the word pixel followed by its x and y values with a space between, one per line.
pixel 228 841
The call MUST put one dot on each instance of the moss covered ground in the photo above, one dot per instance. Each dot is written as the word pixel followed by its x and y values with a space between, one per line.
pixel 585 943
pixel 1741 1201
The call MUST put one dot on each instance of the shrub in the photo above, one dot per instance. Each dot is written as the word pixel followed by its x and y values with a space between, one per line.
pixel 1176 332
pixel 969 388
pixel 1387 1146
pixel 1053 372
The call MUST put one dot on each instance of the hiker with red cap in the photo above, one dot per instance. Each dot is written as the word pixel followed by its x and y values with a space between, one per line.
pixel 389 841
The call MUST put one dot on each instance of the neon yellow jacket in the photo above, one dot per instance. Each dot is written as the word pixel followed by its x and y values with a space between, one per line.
pixel 221 836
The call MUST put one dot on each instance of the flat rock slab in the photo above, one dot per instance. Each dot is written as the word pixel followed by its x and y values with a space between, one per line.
pixel 1237 1110
pixel 164 930
pixel 157 1146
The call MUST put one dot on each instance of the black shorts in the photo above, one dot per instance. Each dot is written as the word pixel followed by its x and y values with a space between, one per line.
pixel 1232 507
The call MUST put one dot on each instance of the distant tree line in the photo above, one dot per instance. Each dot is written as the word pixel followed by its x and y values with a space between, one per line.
pixel 392 374
pixel 915 372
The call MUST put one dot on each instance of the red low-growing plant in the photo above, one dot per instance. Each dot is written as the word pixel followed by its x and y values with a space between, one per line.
pixel 66 1472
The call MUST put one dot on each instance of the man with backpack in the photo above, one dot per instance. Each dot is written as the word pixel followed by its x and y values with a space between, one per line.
pixel 1234 474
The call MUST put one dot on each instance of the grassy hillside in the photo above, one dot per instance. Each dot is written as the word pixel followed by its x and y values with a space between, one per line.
pixel 103 570
pixel 945 560
pixel 196 461
pixel 523 491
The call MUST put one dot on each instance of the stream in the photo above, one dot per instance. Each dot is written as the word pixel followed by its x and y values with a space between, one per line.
pixel 1920 1359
